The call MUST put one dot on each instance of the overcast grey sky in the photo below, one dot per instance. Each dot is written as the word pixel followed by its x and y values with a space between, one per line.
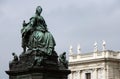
pixel 71 22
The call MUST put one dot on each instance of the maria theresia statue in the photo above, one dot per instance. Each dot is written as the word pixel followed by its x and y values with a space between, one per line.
pixel 38 49
pixel 38 59
pixel 35 35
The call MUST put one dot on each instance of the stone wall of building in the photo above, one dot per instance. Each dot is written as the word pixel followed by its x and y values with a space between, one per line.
pixel 96 65
pixel 113 70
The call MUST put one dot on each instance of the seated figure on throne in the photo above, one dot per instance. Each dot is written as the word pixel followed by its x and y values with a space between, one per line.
pixel 35 35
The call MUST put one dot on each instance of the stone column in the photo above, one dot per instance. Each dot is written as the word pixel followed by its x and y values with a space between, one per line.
pixel 95 73
pixel 80 74
pixel 104 73
pixel 70 76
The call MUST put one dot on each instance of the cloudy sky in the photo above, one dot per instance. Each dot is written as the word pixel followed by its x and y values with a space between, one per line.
pixel 71 22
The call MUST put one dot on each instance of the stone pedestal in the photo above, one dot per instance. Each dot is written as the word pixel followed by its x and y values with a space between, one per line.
pixel 33 66
pixel 38 73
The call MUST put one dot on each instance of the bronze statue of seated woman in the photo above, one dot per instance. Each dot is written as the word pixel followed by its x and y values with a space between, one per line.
pixel 35 35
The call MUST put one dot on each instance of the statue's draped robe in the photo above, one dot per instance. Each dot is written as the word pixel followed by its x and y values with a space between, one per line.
pixel 37 36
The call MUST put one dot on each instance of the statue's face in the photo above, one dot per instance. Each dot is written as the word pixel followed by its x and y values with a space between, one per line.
pixel 39 9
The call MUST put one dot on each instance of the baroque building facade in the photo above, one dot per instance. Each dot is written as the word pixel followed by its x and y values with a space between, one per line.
pixel 103 64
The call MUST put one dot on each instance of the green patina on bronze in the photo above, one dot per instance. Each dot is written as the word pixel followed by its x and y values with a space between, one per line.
pixel 39 59
pixel 35 34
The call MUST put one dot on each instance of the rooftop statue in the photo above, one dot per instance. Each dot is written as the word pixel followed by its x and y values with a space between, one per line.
pixel 35 35
pixel 95 47
pixel 103 45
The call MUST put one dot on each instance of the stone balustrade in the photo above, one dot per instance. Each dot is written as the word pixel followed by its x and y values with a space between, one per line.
pixel 94 55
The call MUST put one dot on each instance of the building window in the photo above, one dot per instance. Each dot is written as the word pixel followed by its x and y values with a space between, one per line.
pixel 88 75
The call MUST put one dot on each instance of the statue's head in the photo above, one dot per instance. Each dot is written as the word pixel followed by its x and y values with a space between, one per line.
pixel 38 10
pixel 64 53
pixel 13 53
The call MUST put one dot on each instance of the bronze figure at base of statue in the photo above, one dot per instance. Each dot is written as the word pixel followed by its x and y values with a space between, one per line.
pixel 38 60
pixel 38 66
